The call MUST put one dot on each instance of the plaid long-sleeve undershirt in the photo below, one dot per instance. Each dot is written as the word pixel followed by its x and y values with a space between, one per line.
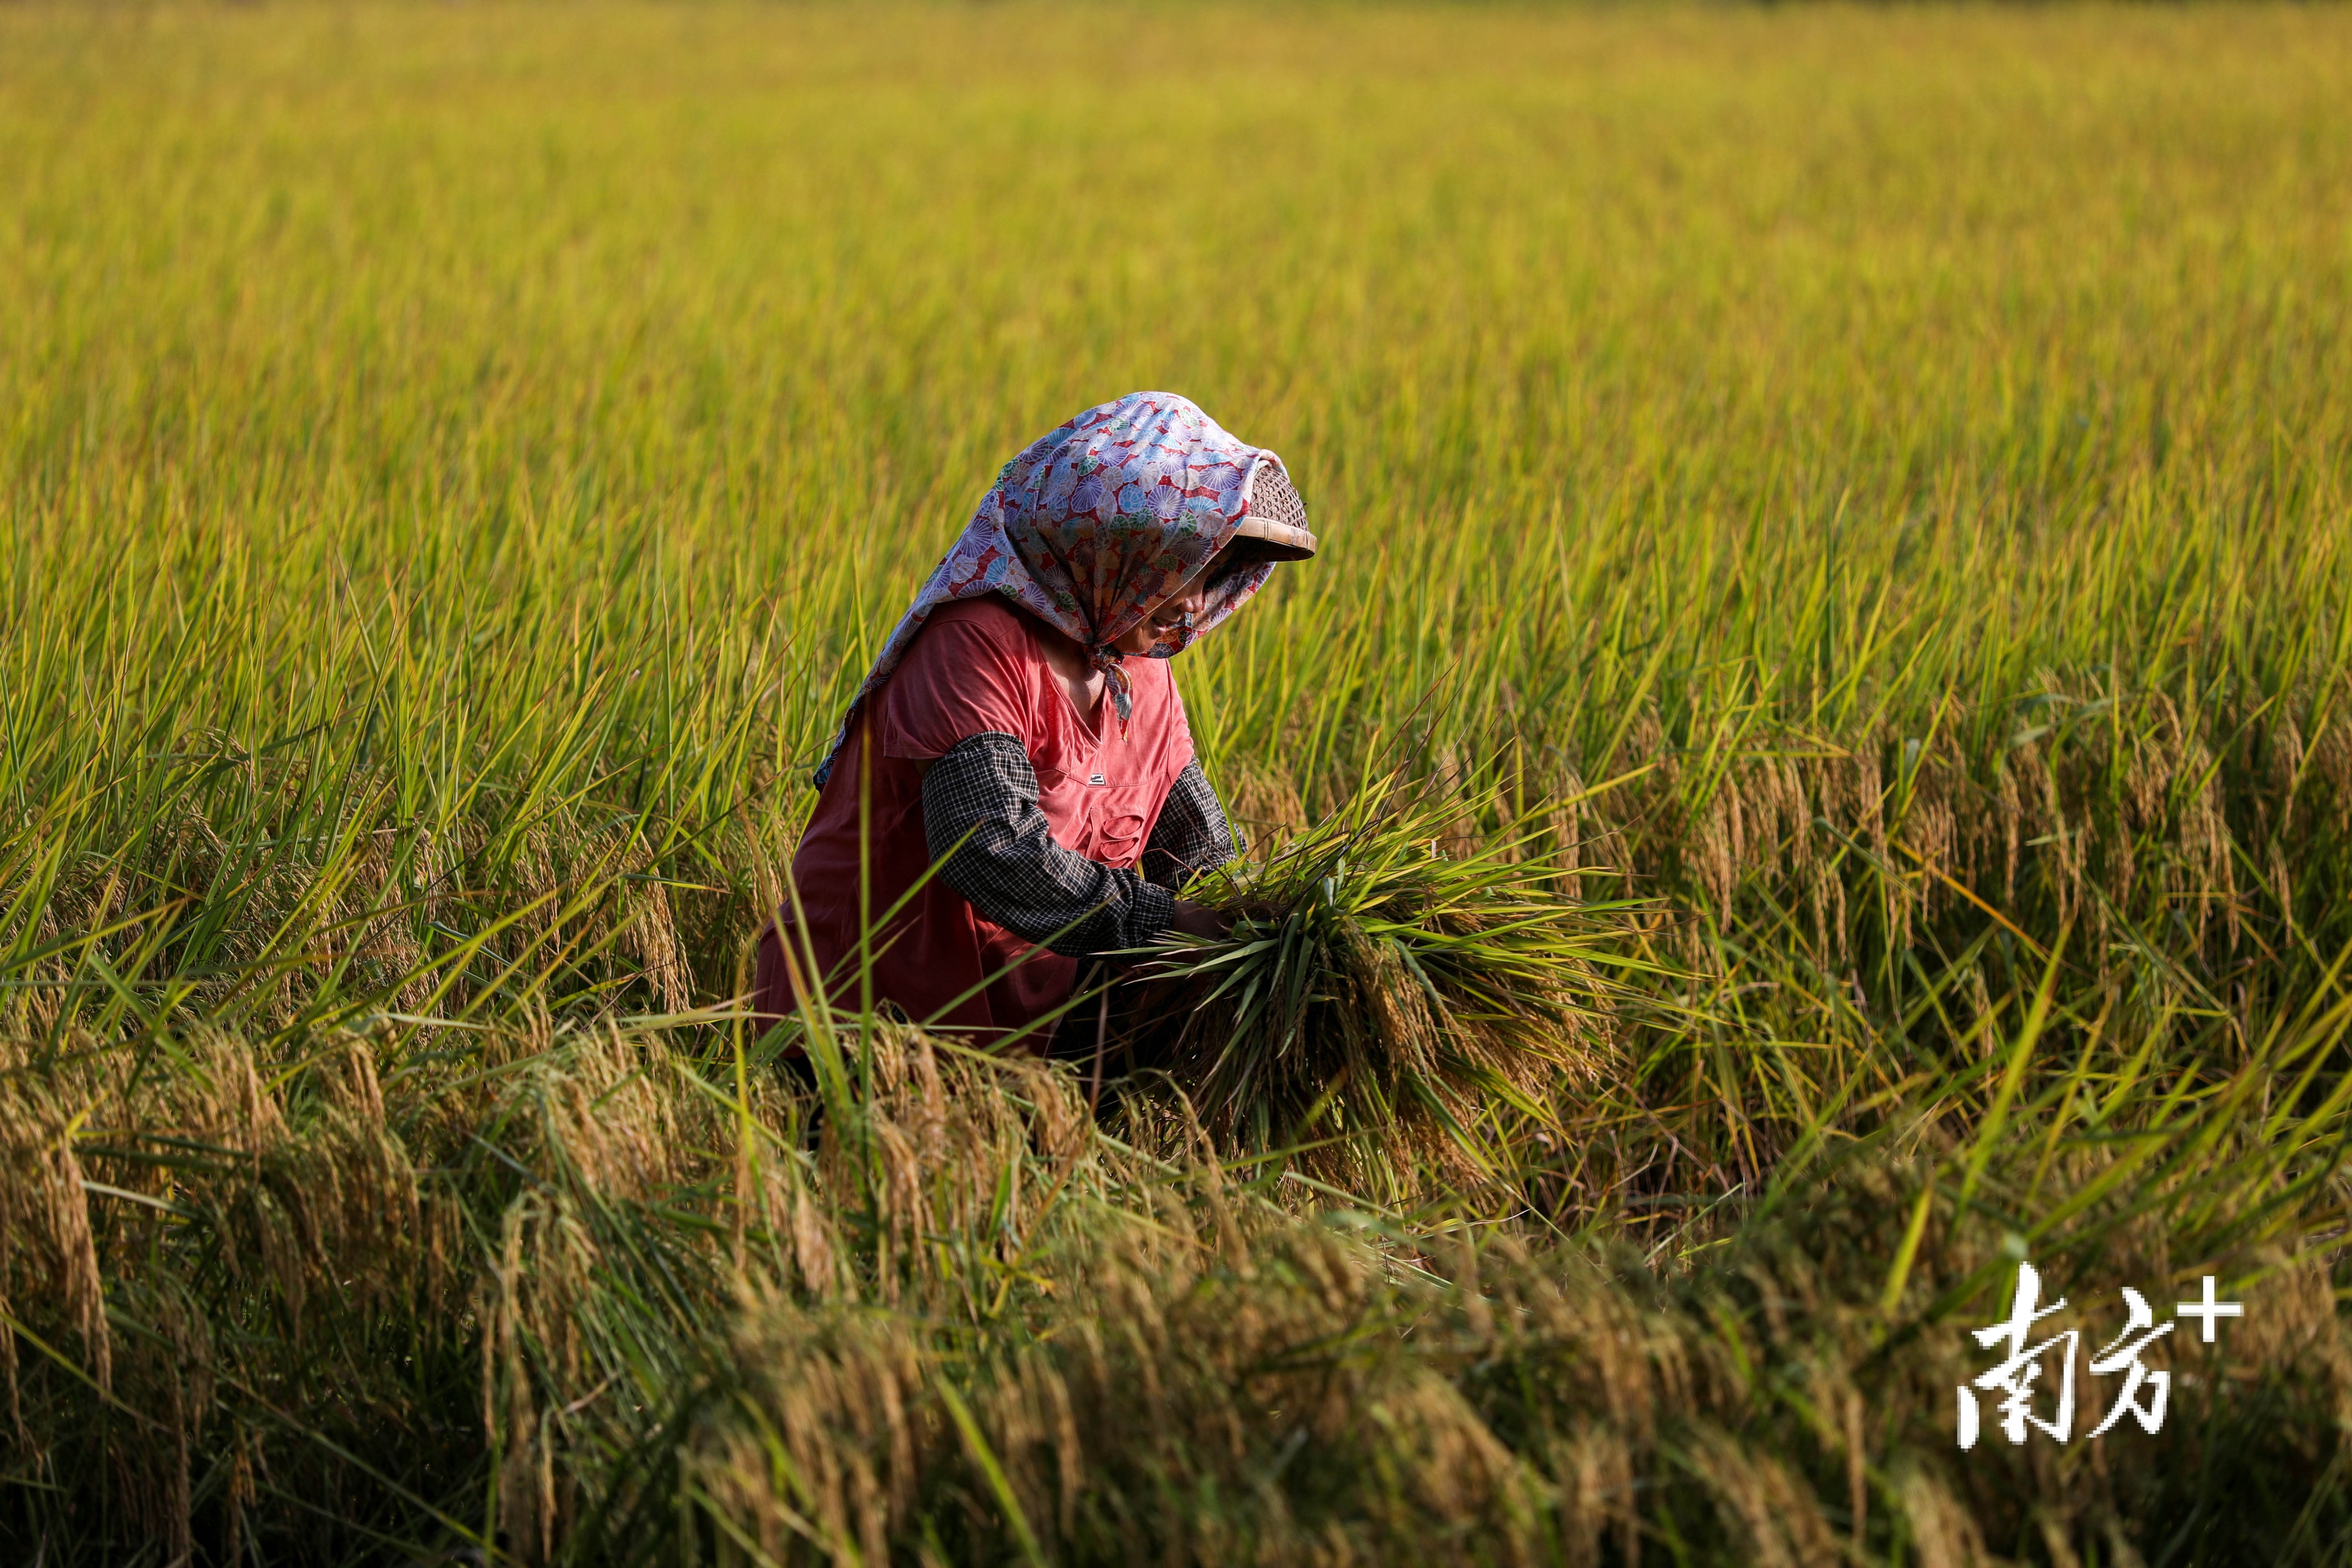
pixel 1016 875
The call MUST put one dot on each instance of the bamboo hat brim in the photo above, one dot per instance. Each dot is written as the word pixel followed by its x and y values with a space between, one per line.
pixel 1276 521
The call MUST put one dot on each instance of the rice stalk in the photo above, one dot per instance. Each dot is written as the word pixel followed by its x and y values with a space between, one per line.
pixel 1865 492
pixel 1374 988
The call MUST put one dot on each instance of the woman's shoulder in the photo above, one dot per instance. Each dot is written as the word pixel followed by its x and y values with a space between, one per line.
pixel 970 669
pixel 966 633
pixel 995 629
pixel 989 615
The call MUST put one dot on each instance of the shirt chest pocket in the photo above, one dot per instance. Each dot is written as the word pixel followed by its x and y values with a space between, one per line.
pixel 1102 821
pixel 1120 813
pixel 1095 796
pixel 1072 803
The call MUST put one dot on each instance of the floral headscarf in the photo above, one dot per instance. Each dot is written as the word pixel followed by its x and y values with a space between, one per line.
pixel 1092 525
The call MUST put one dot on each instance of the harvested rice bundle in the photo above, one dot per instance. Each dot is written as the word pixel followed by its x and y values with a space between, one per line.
pixel 1374 984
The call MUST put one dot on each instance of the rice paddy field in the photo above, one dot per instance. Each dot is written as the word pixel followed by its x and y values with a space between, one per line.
pixel 1837 517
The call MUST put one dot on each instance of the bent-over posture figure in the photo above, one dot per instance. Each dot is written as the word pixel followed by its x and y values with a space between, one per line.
pixel 1022 723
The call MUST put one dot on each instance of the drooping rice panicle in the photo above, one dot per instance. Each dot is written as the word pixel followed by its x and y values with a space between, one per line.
pixel 1867 487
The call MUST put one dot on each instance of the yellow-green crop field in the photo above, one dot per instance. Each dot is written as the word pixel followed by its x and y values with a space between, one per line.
pixel 1863 497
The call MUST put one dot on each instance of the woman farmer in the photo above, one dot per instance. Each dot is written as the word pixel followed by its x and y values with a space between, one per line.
pixel 1021 729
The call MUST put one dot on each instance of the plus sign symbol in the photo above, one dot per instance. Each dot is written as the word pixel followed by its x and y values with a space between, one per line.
pixel 2209 1309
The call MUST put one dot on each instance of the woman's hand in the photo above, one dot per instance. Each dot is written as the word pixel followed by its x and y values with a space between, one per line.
pixel 1199 920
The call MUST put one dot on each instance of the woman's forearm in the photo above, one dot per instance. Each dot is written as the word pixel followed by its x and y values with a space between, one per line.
pixel 980 813
pixel 1191 834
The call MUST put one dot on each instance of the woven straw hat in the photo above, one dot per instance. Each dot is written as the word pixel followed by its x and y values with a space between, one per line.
pixel 1276 523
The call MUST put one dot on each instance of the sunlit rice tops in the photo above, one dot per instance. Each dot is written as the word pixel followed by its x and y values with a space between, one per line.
pixel 1863 491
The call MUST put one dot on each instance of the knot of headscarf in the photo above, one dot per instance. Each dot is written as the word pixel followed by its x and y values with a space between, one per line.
pixel 1093 524
pixel 1116 682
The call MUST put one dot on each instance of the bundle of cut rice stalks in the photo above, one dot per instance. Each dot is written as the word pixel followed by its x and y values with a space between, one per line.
pixel 1379 999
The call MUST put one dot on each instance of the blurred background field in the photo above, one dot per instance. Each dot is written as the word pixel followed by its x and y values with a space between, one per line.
pixel 1868 487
